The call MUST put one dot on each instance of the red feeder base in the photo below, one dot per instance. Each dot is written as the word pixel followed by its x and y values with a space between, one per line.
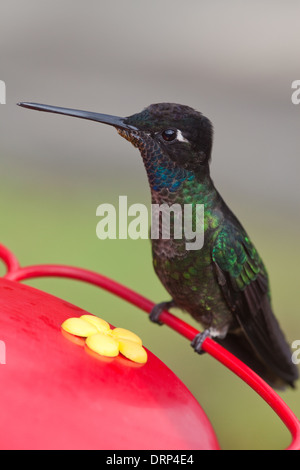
pixel 54 395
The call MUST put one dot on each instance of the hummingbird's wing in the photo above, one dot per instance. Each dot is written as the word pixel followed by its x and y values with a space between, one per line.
pixel 244 283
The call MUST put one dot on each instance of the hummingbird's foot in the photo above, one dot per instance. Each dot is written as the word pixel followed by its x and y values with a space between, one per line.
pixel 158 308
pixel 199 340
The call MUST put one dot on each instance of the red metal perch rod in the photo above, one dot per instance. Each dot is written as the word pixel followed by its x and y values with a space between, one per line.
pixel 17 273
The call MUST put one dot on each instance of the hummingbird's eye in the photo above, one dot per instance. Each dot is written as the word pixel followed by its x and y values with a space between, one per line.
pixel 169 134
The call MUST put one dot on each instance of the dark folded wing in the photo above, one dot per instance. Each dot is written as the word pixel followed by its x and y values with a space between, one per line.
pixel 244 283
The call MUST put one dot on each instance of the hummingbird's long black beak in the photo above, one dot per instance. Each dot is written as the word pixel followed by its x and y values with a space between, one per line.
pixel 115 121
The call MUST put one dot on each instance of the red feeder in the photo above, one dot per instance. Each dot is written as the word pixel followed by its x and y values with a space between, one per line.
pixel 54 395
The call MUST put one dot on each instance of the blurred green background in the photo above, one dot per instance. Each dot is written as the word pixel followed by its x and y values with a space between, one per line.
pixel 226 59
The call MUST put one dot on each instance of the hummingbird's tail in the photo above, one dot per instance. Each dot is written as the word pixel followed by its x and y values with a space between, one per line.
pixel 238 345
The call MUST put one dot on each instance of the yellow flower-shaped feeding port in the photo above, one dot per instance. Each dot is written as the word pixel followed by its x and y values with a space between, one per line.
pixel 101 339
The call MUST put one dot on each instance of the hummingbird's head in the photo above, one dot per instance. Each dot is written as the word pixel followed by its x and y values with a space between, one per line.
pixel 182 134
pixel 175 140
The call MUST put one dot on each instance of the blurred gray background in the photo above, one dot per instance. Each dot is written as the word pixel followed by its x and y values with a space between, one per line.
pixel 234 61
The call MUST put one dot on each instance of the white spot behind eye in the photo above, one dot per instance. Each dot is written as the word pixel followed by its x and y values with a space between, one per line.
pixel 180 137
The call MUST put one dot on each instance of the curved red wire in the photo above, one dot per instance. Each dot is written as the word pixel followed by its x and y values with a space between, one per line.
pixel 16 273
pixel 9 259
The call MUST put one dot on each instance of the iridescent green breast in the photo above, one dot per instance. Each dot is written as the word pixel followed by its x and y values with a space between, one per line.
pixel 188 275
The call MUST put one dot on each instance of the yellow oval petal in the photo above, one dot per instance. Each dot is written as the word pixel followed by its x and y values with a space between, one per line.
pixel 100 324
pixel 79 327
pixel 103 344
pixel 121 333
pixel 133 351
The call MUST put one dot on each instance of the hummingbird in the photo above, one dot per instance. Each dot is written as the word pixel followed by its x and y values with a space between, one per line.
pixel 224 284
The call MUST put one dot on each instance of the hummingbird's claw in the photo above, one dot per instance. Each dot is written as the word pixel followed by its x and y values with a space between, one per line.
pixel 199 340
pixel 158 308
